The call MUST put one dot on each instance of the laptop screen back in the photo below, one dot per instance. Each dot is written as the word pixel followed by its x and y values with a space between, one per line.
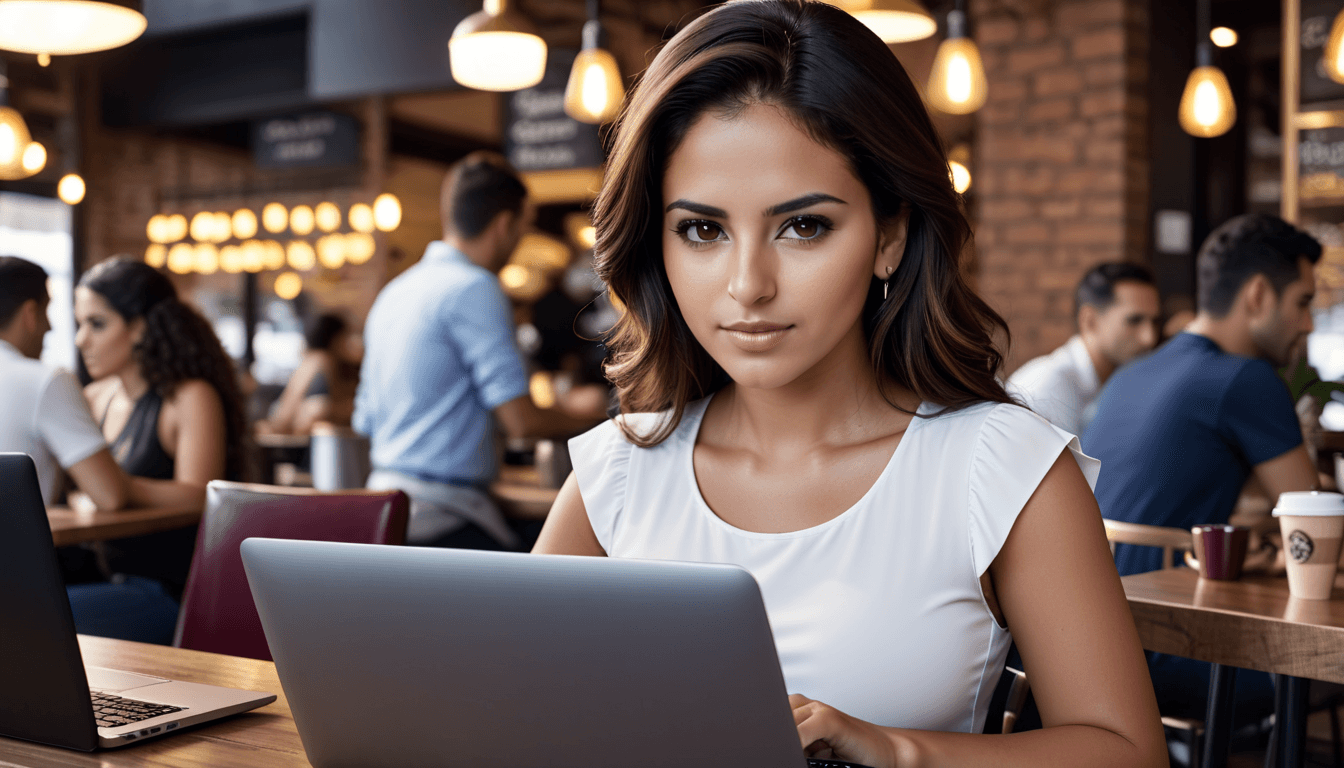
pixel 394 656
pixel 44 694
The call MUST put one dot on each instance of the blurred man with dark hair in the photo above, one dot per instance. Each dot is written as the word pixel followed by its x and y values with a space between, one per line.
pixel 440 365
pixel 1179 432
pixel 1116 310
pixel 45 414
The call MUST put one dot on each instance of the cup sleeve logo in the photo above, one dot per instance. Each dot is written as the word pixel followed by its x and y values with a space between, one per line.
pixel 1300 546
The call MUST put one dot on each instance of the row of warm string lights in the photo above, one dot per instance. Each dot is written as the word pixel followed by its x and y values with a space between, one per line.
pixel 209 249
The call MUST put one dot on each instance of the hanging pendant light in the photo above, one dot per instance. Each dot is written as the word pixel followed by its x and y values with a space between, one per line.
pixel 14 137
pixel 1333 56
pixel 957 82
pixel 496 49
pixel 895 21
pixel 66 27
pixel 594 92
pixel 1207 107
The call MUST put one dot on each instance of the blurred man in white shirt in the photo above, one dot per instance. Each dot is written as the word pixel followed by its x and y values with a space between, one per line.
pixel 1118 315
pixel 45 414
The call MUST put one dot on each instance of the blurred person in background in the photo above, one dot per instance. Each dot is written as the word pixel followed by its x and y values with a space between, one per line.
pixel 441 365
pixel 1179 432
pixel 322 388
pixel 1117 313
pixel 166 396
pixel 45 415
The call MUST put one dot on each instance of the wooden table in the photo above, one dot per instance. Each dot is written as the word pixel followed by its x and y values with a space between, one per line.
pixel 1251 623
pixel 262 737
pixel 291 442
pixel 519 493
pixel 71 527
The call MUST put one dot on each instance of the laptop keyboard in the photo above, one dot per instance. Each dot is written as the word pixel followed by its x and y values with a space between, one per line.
pixel 113 711
pixel 813 762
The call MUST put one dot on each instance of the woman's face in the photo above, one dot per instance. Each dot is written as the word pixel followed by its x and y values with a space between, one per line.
pixel 770 245
pixel 105 340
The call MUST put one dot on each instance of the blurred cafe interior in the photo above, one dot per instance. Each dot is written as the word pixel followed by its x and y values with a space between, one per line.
pixel 281 163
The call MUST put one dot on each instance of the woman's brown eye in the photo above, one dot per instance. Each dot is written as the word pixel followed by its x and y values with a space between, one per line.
pixel 703 232
pixel 805 228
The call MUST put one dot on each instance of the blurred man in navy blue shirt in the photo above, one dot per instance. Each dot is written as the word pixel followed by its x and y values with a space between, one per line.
pixel 1179 432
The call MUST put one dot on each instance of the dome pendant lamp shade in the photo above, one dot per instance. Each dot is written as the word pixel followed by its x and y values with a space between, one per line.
pixel 1333 56
pixel 496 49
pixel 67 27
pixel 594 92
pixel 895 21
pixel 957 82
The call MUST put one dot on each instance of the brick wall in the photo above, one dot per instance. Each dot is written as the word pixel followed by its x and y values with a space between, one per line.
pixel 1060 155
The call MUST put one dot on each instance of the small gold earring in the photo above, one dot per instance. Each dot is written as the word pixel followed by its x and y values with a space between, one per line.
pixel 886 284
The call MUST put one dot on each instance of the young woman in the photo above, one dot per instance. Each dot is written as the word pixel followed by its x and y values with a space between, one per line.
pixel 812 396
pixel 323 386
pixel 166 395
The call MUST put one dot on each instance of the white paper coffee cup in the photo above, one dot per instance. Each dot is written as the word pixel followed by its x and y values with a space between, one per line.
pixel 1312 523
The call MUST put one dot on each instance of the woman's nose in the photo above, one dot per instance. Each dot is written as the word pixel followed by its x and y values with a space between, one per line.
pixel 753 275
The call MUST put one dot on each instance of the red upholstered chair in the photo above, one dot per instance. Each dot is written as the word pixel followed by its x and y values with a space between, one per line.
pixel 217 611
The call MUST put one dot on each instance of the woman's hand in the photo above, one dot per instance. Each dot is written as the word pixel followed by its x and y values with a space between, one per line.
pixel 829 733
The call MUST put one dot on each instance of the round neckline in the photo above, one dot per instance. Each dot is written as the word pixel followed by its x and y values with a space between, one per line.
pixel 693 432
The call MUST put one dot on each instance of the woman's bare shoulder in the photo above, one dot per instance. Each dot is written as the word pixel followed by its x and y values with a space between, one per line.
pixel 192 394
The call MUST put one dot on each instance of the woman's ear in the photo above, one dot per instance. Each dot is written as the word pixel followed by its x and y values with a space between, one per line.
pixel 891 244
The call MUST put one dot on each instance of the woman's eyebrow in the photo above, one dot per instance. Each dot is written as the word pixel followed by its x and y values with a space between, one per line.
pixel 798 203
pixel 700 208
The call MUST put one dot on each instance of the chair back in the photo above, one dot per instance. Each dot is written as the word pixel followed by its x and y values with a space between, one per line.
pixel 218 614
pixel 340 458
pixel 1168 539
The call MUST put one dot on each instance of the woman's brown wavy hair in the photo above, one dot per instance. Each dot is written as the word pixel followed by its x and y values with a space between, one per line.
pixel 178 344
pixel 841 84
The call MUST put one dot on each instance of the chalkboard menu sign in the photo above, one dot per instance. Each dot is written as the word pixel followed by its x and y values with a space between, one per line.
pixel 1317 18
pixel 1321 153
pixel 538 135
pixel 307 140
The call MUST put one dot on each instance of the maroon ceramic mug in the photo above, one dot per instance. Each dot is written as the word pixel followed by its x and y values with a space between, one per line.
pixel 1220 550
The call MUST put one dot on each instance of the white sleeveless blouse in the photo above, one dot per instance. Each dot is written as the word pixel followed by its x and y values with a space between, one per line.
pixel 877 612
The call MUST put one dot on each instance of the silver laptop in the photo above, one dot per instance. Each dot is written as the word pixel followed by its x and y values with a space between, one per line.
pixel 405 656
pixel 46 693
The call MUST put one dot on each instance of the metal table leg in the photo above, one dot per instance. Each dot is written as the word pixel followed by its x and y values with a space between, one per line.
pixel 1218 721
pixel 1290 720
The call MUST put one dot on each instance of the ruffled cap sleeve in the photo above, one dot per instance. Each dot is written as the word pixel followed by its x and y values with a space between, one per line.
pixel 1015 450
pixel 601 461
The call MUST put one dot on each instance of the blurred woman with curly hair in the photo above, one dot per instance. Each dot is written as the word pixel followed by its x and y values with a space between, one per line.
pixel 167 397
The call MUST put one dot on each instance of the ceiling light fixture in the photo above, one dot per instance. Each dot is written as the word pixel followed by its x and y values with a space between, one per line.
pixel 895 21
pixel 594 93
pixel 957 82
pixel 496 49
pixel 14 137
pixel 1207 107
pixel 67 27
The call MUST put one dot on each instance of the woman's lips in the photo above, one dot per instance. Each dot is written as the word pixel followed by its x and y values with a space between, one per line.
pixel 757 337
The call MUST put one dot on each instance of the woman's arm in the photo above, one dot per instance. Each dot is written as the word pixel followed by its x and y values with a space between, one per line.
pixel 193 432
pixel 567 530
pixel 282 420
pixel 1058 588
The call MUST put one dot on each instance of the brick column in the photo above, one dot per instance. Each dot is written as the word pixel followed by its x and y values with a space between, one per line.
pixel 1060 160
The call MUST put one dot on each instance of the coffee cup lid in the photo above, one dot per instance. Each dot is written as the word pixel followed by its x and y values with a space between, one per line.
pixel 1310 504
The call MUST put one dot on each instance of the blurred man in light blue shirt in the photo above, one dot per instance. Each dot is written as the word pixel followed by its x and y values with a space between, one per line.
pixel 441 364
